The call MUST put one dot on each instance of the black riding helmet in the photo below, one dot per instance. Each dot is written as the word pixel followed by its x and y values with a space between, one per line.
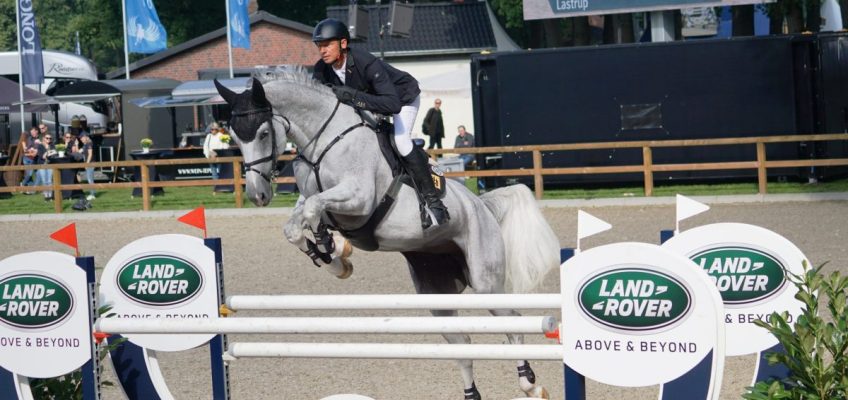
pixel 330 29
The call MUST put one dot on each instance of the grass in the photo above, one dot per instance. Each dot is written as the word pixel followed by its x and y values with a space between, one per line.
pixel 188 198
pixel 122 200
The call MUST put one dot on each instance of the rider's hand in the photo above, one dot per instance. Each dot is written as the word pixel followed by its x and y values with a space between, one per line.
pixel 345 94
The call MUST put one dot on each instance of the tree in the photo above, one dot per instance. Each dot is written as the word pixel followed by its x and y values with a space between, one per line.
pixel 306 12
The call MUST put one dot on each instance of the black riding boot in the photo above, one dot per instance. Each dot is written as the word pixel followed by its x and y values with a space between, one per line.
pixel 417 164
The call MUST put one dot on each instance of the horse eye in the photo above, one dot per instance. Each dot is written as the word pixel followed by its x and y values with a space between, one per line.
pixel 263 135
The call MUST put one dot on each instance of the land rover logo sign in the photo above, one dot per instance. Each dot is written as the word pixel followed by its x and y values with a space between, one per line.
pixel 34 301
pixel 160 280
pixel 632 305
pixel 749 266
pixel 742 275
pixel 633 299
pixel 44 315
pixel 162 276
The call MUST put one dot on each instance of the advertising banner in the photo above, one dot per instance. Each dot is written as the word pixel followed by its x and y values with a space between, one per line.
pixel 544 9
pixel 631 305
pixel 748 264
pixel 30 44
pixel 162 276
pixel 44 315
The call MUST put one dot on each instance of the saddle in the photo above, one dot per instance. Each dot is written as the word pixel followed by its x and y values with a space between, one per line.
pixel 363 237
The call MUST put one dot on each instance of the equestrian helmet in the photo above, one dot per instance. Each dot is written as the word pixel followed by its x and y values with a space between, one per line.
pixel 330 29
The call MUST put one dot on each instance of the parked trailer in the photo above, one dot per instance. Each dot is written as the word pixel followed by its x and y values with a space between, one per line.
pixel 757 86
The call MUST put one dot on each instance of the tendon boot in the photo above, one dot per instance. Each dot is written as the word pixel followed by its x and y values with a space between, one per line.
pixel 419 167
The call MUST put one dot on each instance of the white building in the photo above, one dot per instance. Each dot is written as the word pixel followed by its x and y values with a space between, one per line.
pixel 438 54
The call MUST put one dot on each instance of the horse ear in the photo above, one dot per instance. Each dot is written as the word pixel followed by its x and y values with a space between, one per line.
pixel 228 95
pixel 258 92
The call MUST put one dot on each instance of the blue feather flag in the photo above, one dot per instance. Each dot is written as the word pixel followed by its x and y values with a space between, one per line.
pixel 239 24
pixel 145 34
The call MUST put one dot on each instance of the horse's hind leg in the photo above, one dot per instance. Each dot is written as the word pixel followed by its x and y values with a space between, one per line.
pixel 442 274
pixel 466 367
pixel 487 275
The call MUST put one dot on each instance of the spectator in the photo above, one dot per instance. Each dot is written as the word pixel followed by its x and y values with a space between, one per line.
pixel 45 175
pixel 210 144
pixel 87 156
pixel 70 142
pixel 31 144
pixel 464 139
pixel 433 125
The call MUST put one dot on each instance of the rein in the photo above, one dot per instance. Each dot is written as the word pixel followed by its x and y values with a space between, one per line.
pixel 314 165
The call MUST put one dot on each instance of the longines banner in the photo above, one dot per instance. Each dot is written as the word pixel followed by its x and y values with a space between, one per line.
pixel 544 9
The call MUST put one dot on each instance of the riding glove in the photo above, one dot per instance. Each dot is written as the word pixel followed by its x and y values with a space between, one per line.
pixel 345 94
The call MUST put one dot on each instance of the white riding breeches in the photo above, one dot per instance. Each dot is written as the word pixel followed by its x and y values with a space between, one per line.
pixel 404 121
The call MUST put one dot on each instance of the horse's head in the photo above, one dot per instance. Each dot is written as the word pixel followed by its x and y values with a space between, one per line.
pixel 252 124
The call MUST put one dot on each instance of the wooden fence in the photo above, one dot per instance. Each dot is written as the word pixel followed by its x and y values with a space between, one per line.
pixel 538 171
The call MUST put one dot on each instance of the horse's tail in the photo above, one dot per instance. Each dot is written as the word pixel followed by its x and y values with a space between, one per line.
pixel 532 248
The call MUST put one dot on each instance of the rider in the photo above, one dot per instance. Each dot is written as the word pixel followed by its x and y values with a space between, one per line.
pixel 363 81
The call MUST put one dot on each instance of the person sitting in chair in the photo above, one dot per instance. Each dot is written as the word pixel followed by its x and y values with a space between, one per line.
pixel 363 81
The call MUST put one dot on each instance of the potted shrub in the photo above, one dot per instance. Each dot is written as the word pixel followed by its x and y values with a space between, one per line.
pixel 145 145
pixel 815 342
pixel 225 139
pixel 60 148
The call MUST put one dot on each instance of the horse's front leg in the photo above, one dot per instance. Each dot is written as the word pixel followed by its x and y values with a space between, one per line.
pixel 346 198
pixel 296 225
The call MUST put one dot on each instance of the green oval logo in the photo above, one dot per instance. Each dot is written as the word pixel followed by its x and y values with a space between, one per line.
pixel 634 299
pixel 160 280
pixel 742 275
pixel 33 301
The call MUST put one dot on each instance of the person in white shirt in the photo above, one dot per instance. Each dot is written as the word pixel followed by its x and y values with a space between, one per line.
pixel 210 144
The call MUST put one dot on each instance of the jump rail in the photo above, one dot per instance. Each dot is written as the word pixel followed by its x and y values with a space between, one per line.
pixel 551 352
pixel 364 325
pixel 397 302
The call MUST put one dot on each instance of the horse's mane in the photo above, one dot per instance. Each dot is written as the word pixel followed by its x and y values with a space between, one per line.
pixel 291 73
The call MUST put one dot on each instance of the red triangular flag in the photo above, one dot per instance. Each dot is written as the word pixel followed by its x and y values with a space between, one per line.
pixel 68 236
pixel 195 218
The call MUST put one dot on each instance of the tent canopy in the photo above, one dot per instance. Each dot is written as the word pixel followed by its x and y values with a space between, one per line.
pixel 89 91
pixel 193 93
pixel 10 98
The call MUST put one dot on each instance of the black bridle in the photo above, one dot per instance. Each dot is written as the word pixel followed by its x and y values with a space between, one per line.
pixel 273 156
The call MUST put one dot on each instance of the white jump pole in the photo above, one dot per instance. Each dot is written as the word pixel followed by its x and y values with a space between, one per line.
pixel 366 325
pixel 399 351
pixel 397 302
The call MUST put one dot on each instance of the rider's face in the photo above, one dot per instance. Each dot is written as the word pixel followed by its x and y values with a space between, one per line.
pixel 331 50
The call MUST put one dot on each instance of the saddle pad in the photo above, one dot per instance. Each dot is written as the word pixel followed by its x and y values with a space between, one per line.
pixel 384 131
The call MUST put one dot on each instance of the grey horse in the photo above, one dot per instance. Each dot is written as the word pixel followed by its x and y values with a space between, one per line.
pixel 492 243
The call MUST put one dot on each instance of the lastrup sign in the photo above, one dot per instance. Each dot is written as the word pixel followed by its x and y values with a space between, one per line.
pixel 44 315
pixel 639 315
pixel 748 264
pixel 162 276
pixel 545 9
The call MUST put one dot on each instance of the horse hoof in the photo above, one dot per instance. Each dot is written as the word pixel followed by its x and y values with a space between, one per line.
pixel 538 392
pixel 347 269
pixel 348 250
